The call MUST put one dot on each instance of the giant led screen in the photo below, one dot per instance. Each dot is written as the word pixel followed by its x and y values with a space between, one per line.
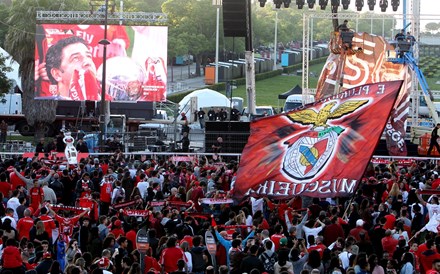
pixel 69 62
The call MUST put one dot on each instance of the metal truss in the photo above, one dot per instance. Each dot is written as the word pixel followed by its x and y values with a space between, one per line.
pixel 87 16
pixel 308 17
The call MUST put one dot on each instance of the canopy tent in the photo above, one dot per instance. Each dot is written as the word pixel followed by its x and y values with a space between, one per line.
pixel 283 96
pixel 206 98
pixel 296 90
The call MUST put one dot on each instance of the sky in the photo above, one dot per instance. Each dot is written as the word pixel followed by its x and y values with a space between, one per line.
pixel 429 10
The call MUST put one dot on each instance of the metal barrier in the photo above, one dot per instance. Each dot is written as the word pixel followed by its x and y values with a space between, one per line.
pixel 165 139
pixel 145 155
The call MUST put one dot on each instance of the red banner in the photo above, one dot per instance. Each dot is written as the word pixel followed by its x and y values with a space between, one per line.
pixel 319 151
pixel 365 67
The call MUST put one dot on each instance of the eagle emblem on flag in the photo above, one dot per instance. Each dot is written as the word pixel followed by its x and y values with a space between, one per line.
pixel 307 155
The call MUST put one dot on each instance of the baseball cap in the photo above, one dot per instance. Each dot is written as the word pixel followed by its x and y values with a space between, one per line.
pixel 360 222
pixel 118 223
pixel 283 241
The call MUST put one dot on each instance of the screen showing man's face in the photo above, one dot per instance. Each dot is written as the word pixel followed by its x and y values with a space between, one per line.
pixel 75 57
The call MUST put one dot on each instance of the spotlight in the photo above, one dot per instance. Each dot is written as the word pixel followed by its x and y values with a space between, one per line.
pixel 277 3
pixel 345 4
pixel 323 4
pixel 371 4
pixel 395 4
pixel 311 3
pixel 335 3
pixel 300 3
pixel 262 3
pixel 359 4
pixel 383 4
pixel 287 3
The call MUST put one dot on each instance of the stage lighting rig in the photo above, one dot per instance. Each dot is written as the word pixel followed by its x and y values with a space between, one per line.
pixel 323 4
pixel 345 4
pixel 335 3
pixel 371 4
pixel 262 3
pixel 395 4
pixel 300 3
pixel 311 3
pixel 383 4
pixel 359 4
pixel 277 3
pixel 287 3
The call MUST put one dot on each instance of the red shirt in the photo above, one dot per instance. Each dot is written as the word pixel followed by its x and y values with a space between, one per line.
pixel 24 226
pixel 391 219
pixel 15 180
pixel 276 240
pixel 131 236
pixel 435 184
pixel 426 259
pixel 169 258
pixel 356 231
pixel 389 245
pixel 5 188
pixel 106 191
pixel 49 224
pixel 117 232
pixel 37 195
pixel 66 225
pixel 320 248
pixel 188 239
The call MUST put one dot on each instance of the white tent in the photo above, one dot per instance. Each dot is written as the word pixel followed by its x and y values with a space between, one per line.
pixel 206 98
pixel 12 75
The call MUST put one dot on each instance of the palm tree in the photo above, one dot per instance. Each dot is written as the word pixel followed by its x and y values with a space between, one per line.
pixel 20 43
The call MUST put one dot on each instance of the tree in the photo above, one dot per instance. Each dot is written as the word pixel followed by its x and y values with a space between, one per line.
pixel 192 22
pixel 20 43
pixel 432 27
pixel 5 82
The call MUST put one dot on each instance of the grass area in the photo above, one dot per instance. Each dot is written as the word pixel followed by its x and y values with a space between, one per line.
pixel 267 90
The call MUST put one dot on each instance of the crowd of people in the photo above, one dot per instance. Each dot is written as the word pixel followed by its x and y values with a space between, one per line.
pixel 58 218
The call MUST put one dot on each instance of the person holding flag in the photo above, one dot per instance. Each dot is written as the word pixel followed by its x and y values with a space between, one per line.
pixel 66 224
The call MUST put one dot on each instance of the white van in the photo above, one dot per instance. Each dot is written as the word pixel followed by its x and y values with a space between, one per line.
pixel 296 101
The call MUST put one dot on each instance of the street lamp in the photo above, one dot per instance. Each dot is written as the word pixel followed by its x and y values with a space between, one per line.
pixel 275 43
pixel 104 42
pixel 217 4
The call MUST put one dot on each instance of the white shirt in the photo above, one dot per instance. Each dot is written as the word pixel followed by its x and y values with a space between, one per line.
pixel 345 258
pixel 312 231
pixel 142 186
pixel 13 203
pixel 13 222
pixel 432 208
pixel 257 204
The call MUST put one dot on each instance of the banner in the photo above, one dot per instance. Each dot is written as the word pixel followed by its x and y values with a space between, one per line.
pixel 365 67
pixel 319 151
pixel 214 201
pixel 136 212
pixel 68 62
pixel 127 204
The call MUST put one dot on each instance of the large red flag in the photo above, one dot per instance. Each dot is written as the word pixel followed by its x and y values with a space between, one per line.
pixel 319 151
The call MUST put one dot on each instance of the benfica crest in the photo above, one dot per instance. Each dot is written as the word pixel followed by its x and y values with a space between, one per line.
pixel 309 152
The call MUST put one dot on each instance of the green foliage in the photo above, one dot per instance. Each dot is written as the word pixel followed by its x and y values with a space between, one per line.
pixel 5 82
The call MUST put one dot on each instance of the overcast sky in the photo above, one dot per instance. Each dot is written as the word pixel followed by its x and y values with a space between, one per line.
pixel 427 7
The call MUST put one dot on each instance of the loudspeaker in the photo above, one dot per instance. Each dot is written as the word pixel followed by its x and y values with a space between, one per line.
pixel 235 18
